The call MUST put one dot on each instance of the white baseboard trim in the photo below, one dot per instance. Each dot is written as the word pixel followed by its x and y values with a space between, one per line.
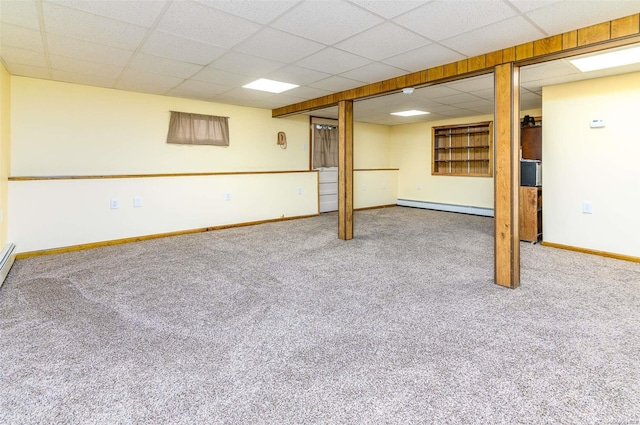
pixel 7 258
pixel 465 209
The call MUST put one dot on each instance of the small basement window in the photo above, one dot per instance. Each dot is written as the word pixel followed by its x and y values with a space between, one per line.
pixel 197 129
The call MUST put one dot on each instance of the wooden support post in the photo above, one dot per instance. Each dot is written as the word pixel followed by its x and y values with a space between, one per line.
pixel 345 170
pixel 507 175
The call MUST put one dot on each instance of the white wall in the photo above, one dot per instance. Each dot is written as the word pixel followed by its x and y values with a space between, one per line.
pixel 58 213
pixel 593 165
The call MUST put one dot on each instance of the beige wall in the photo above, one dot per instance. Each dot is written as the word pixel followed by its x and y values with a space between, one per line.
pixel 61 129
pixel 371 146
pixel 411 152
pixel 593 165
pixel 5 136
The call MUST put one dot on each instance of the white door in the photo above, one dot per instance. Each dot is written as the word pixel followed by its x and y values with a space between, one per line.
pixel 328 189
pixel 327 175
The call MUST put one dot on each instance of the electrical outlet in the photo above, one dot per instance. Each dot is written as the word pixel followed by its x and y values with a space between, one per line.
pixel 137 202
pixel 364 187
pixel 304 146
pixel 115 204
pixel 299 191
pixel 227 196
pixel 587 208
pixel 418 186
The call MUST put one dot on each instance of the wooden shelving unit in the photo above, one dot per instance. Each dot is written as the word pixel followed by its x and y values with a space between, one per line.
pixel 463 150
pixel 530 214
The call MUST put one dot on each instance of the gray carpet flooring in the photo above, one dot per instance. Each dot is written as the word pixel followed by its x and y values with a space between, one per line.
pixel 283 323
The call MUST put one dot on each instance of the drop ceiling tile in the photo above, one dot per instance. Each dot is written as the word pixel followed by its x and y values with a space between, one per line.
pixel 141 81
pixel 21 13
pixel 243 97
pixel 246 64
pixel 76 66
pixel 149 63
pixel 180 49
pixel 29 71
pixel 435 92
pixel 547 70
pixel 333 21
pixel 198 89
pixel 218 76
pixel 85 50
pixel 458 113
pixel 17 56
pixel 258 11
pixel 296 75
pixel 459 98
pixel 507 33
pixel 447 18
pixel 528 5
pixel 279 46
pixel 332 61
pixel 567 15
pixel 306 92
pixel 25 38
pixel 89 80
pixel 198 22
pixel 87 26
pixel 473 84
pixel 488 94
pixel 443 109
pixel 388 9
pixel 424 58
pixel 138 12
pixel 335 84
pixel 282 99
pixel 530 96
pixel 483 105
pixel 374 72
pixel 383 41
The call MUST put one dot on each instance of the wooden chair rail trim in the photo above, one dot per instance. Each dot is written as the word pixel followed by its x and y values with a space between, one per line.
pixel 93 245
pixel 591 251
pixel 143 176
pixel 376 169
pixel 615 33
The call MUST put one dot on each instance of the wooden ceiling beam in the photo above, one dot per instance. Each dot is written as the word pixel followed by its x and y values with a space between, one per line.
pixel 618 32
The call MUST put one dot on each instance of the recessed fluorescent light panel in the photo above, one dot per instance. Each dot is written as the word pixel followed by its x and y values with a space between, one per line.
pixel 270 85
pixel 411 113
pixel 608 60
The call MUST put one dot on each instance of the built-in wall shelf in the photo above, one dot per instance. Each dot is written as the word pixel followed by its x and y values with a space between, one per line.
pixel 462 150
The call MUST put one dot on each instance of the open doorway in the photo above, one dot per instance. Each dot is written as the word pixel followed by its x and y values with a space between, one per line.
pixel 324 158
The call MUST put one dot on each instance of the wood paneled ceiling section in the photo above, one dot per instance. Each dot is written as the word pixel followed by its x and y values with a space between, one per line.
pixel 615 33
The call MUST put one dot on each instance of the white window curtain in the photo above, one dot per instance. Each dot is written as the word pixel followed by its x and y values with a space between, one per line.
pixel 325 146
pixel 196 129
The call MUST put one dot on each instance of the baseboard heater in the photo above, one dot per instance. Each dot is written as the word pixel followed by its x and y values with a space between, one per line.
pixel 465 209
pixel 7 258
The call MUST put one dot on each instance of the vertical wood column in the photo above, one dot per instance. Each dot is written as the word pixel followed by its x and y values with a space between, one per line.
pixel 507 175
pixel 345 170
